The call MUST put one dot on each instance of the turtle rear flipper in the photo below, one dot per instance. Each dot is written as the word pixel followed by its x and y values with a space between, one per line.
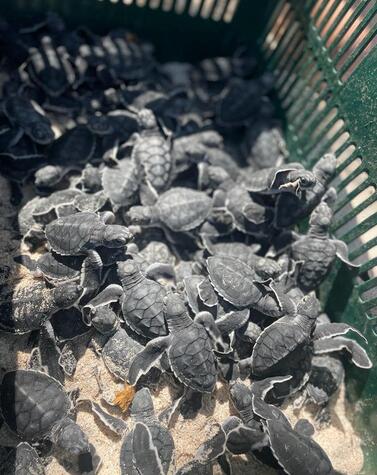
pixel 359 356
pixel 145 452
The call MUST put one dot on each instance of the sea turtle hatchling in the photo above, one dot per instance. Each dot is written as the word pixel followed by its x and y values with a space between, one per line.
pixel 36 407
pixel 26 306
pixel 189 348
pixel 294 449
pixel 240 285
pixel 26 115
pixel 69 152
pixel 80 232
pixel 292 178
pixel 317 250
pixel 152 153
pixel 148 448
pixel 178 209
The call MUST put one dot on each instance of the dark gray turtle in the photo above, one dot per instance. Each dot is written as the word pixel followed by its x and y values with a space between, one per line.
pixel 240 285
pixel 152 153
pixel 242 100
pixel 189 348
pixel 292 178
pixel 69 152
pixel 26 115
pixel 264 145
pixel 121 184
pixel 179 210
pixel 317 250
pixel 294 449
pixel 289 208
pixel 149 447
pixel 35 407
pixel 30 303
pixel 285 340
pixel 83 231
pixel 51 68
pixel 57 204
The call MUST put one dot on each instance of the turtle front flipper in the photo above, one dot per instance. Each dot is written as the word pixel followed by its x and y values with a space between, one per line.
pixel 342 253
pixel 328 330
pixel 144 360
pixel 207 320
pixel 147 460
pixel 212 448
pixel 359 356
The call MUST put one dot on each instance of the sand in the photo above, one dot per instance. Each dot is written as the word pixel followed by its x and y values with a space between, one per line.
pixel 339 439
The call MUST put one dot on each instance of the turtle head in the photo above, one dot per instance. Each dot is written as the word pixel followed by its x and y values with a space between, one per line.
pixel 175 312
pixel 320 219
pixel 47 176
pixel 66 295
pixel 41 132
pixel 104 320
pixel 142 406
pixel 146 119
pixel 116 235
pixel 325 168
pixel 242 399
pixel 308 310
pixel 268 268
pixel 129 273
pixel 300 180
pixel 141 215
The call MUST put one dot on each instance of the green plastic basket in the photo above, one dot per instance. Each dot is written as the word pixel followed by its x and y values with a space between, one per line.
pixel 324 57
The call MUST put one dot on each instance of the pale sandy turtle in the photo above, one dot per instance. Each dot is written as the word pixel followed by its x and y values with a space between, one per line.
pixel 294 449
pixel 152 153
pixel 178 209
pixel 83 231
pixel 36 407
pixel 121 184
pixel 25 307
pixel 69 152
pixel 292 178
pixel 239 284
pixel 289 208
pixel 29 118
pixel 317 250
pixel 189 347
pixel 149 447
pixel 91 179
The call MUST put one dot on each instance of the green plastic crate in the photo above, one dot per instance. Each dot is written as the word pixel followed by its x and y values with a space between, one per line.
pixel 324 56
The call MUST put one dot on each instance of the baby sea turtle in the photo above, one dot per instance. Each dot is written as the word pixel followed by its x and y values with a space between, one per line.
pixel 294 449
pixel 317 250
pixel 179 209
pixel 289 208
pixel 283 337
pixel 242 100
pixel 152 153
pixel 26 115
pixel 292 178
pixel 83 231
pixel 69 152
pixel 26 306
pixel 188 346
pixel 35 407
pixel 149 447
pixel 121 184
pixel 239 284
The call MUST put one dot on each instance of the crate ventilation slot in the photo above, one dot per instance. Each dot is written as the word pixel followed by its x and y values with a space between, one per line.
pixel 216 10
pixel 313 55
